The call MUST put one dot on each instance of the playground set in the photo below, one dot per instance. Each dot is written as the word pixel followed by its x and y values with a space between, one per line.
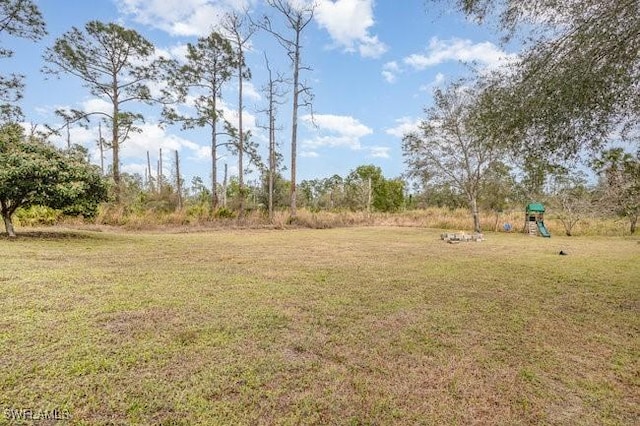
pixel 533 225
pixel 534 221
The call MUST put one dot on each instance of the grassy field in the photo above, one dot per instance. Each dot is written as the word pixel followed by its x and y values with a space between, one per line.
pixel 368 325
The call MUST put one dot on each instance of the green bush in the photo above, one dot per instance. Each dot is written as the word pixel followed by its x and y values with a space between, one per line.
pixel 224 213
pixel 37 215
pixel 198 212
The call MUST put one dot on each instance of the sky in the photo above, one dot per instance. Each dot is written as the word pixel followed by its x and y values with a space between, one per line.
pixel 373 65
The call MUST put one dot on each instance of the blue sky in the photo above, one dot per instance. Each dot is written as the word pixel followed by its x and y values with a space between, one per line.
pixel 374 67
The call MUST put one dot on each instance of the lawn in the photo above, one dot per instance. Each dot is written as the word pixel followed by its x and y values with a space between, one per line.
pixel 367 325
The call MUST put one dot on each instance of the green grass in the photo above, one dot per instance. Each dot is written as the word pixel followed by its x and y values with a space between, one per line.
pixel 376 325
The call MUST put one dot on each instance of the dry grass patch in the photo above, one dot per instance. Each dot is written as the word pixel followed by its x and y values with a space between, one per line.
pixel 376 325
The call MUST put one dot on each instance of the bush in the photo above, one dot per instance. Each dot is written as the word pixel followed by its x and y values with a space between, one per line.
pixel 37 215
pixel 198 212
pixel 224 213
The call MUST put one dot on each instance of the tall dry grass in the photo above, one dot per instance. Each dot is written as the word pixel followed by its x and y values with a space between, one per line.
pixel 437 218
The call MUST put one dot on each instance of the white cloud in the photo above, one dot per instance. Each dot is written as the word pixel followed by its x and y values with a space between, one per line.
pixel 437 82
pixel 348 23
pixel 139 168
pixel 333 141
pixel 371 47
pixel 177 52
pixel 230 113
pixel 403 126
pixel 249 91
pixel 309 154
pixel 335 131
pixel 47 111
pixel 77 135
pixel 390 70
pixel 302 4
pixel 181 18
pixel 389 76
pixel 97 105
pixel 380 152
pixel 152 138
pixel 341 124
pixel 249 121
pixel 455 49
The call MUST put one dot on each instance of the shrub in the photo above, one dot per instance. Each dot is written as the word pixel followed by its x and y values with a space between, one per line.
pixel 37 215
pixel 224 213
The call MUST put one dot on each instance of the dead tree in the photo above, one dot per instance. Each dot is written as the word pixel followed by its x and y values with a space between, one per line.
pixel 274 94
pixel 297 17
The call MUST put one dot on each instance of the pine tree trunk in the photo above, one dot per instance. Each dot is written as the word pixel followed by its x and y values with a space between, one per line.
pixel 178 181
pixel 272 159
pixel 149 172
pixel 101 145
pixel 224 187
pixel 214 169
pixel 240 137
pixel 294 125
pixel 160 172
pixel 115 142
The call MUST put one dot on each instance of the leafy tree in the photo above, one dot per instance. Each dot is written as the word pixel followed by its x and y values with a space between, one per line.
pixel 275 190
pixel 575 83
pixel 389 197
pixel 297 15
pixel 498 187
pixel 198 192
pixel 427 192
pixel 115 64
pixel 328 193
pixel 619 191
pixel 535 173
pixel 447 149
pixel 359 185
pixel 309 191
pixel 570 198
pixel 367 188
pixel 33 172
pixel 198 198
pixel 443 194
pixel 209 65
pixel 250 195
pixel 18 18
pixel 334 190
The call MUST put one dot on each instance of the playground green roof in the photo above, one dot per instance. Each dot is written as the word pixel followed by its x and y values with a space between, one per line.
pixel 535 207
